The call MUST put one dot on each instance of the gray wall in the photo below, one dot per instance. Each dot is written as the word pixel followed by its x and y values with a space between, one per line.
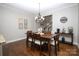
pixel 0 19
pixel 9 23
pixel 78 26
pixel 72 14
pixel 0 49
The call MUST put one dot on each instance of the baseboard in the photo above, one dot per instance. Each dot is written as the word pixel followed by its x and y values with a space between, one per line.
pixel 16 40
pixel 78 46
pixel 75 43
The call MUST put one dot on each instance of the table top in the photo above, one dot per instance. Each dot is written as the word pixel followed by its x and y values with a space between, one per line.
pixel 47 36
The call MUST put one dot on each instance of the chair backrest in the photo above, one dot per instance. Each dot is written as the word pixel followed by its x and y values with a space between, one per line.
pixel 56 37
pixel 29 34
pixel 36 36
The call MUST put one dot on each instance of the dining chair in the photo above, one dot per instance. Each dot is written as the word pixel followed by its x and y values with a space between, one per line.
pixel 29 38
pixel 36 39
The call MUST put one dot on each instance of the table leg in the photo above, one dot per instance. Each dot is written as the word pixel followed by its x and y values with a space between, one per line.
pixel 49 48
pixel 40 47
pixel 55 48
pixel 72 39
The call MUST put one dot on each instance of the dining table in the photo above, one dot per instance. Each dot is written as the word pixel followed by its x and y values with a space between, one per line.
pixel 47 38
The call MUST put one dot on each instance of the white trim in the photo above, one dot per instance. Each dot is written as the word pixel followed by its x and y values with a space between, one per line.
pixel 75 43
pixel 78 46
pixel 16 40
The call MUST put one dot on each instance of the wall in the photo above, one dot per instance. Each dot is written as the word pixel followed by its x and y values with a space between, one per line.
pixel 0 50
pixel 78 26
pixel 71 12
pixel 9 23
pixel 0 19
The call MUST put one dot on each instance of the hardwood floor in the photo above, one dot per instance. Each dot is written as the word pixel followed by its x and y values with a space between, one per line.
pixel 18 48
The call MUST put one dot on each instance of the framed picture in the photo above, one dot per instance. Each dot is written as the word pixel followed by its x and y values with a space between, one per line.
pixel 20 25
pixel 63 19
pixel 25 23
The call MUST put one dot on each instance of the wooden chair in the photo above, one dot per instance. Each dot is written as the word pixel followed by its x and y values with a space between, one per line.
pixel 36 42
pixel 36 39
pixel 29 38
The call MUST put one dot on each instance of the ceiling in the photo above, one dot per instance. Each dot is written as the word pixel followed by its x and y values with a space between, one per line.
pixel 33 5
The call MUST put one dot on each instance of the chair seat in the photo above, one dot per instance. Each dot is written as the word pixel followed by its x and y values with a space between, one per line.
pixel 53 43
pixel 38 42
pixel 30 39
pixel 52 39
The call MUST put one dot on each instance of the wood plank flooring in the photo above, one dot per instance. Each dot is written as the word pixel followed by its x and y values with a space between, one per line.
pixel 18 48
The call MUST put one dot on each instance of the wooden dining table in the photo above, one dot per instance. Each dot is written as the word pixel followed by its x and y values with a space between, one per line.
pixel 47 37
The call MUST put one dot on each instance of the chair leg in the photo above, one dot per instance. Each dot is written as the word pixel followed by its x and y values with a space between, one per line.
pixel 26 42
pixel 55 49
pixel 40 47
pixel 58 46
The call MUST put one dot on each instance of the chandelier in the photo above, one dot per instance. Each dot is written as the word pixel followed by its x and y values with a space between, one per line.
pixel 39 18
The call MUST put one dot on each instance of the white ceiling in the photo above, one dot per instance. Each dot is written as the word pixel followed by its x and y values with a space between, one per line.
pixel 33 5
